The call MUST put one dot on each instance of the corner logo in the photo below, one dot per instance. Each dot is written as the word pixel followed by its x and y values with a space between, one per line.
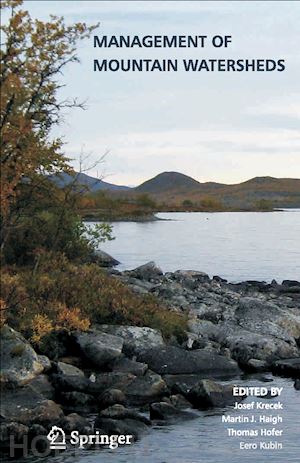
pixel 57 438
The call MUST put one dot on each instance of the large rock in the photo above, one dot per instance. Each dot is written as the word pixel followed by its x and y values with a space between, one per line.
pixel 43 386
pixel 125 365
pixel 146 271
pixel 67 369
pixel 146 389
pixel 190 278
pixel 207 393
pixel 120 420
pixel 173 360
pixel 287 367
pixel 77 401
pixel 169 413
pixel 267 318
pixel 103 259
pixel 70 383
pixel 119 412
pixel 136 338
pixel 179 401
pixel 104 381
pixel 127 426
pixel 180 383
pixel 75 422
pixel 111 397
pixel 19 362
pixel 46 362
pixel 245 345
pixel 98 347
pixel 28 407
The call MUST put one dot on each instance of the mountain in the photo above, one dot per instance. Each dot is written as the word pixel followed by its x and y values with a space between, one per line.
pixel 168 181
pixel 91 183
pixel 173 189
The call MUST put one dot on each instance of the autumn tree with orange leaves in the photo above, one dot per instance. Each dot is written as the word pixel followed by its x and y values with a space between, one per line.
pixel 33 55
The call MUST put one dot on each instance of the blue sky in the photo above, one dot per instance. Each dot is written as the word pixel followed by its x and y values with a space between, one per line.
pixel 213 126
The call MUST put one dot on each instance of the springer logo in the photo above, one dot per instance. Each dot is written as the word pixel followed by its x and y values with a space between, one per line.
pixel 57 438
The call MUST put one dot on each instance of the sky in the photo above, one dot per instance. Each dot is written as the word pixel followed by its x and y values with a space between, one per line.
pixel 223 127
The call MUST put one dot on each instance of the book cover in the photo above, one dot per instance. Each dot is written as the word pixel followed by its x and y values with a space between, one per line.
pixel 150 223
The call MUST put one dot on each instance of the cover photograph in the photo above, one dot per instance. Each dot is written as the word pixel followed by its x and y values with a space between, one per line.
pixel 150 231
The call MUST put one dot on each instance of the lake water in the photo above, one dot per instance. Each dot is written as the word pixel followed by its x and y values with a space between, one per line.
pixel 234 245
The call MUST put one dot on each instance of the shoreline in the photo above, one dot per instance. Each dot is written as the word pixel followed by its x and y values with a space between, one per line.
pixel 153 217
pixel 131 378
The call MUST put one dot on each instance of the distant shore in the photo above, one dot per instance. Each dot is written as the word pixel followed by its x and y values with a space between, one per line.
pixel 152 217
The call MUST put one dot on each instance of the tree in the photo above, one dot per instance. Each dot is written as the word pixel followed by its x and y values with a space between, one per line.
pixel 144 200
pixel 32 59
pixel 187 203
pixel 263 205
pixel 211 203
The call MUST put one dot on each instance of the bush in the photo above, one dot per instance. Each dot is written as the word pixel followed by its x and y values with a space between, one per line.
pixel 263 205
pixel 51 223
pixel 187 203
pixel 211 203
pixel 59 294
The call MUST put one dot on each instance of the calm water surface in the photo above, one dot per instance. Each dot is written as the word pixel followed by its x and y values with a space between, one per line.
pixel 237 246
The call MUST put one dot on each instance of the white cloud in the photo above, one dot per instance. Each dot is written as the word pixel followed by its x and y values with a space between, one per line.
pixel 219 155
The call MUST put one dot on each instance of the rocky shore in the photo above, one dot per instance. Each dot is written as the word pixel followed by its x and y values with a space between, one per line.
pixel 124 379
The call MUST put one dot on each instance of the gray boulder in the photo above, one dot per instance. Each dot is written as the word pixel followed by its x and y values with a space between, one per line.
pixel 70 383
pixel 173 360
pixel 77 401
pixel 103 259
pixel 136 338
pixel 127 426
pixel 43 386
pixel 169 413
pixel 119 412
pixel 111 397
pixel 146 389
pixel 67 369
pixel 257 365
pixel 267 318
pixel 46 362
pixel 126 365
pixel 208 394
pixel 28 407
pixel 98 347
pixel 245 345
pixel 19 362
pixel 104 381
pixel 190 278
pixel 179 401
pixel 182 383
pixel 146 271
pixel 287 367
pixel 75 422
